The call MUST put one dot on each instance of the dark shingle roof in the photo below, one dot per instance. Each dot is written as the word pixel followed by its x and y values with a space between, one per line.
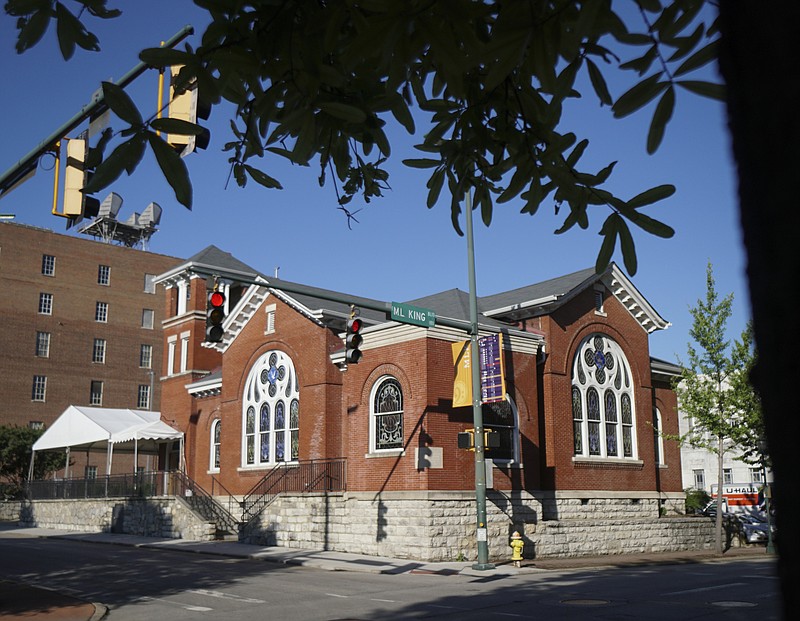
pixel 557 287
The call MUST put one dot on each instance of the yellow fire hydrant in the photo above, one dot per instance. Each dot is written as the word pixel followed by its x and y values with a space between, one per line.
pixel 516 546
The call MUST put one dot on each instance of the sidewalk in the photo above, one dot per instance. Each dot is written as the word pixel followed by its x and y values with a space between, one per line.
pixel 15 598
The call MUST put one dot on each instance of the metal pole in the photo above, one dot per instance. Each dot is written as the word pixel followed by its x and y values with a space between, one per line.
pixel 477 413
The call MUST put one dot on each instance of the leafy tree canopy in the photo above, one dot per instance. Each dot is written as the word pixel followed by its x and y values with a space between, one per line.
pixel 15 457
pixel 715 388
pixel 322 80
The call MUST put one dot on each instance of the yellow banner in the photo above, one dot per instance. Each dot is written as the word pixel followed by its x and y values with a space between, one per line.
pixel 462 385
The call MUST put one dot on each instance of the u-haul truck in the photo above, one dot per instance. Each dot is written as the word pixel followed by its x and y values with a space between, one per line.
pixel 739 497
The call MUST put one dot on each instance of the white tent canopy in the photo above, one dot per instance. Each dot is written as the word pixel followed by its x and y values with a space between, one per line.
pixel 103 429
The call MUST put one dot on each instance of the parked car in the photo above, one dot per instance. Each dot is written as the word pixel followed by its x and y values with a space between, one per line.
pixel 750 528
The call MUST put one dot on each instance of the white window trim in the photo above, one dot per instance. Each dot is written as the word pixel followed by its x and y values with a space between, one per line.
pixel 621 366
pixel 212 446
pixel 172 341
pixel 372 450
pixel 269 326
pixel 185 351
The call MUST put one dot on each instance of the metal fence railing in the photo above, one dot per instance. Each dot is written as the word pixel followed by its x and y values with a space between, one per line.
pixel 141 485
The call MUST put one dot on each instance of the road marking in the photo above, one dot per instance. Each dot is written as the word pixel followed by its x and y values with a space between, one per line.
pixel 709 588
pixel 388 601
pixel 337 595
pixel 189 607
pixel 221 595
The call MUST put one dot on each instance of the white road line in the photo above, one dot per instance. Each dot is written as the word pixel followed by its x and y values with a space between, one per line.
pixel 709 588
pixel 178 604
pixel 337 595
pixel 221 595
pixel 387 601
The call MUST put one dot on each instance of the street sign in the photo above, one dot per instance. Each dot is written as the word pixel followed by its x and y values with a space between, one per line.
pixel 405 313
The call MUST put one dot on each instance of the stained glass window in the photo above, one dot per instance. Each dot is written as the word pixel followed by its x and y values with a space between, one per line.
pixel 387 415
pixel 603 414
pixel 215 444
pixel 271 433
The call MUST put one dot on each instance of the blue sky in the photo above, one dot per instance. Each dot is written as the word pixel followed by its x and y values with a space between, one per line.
pixel 399 250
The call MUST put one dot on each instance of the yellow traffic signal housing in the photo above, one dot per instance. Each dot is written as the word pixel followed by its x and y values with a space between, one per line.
pixel 185 106
pixel 76 203
pixel 466 439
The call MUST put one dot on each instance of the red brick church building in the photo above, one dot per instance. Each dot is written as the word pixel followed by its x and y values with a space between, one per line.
pixel 579 427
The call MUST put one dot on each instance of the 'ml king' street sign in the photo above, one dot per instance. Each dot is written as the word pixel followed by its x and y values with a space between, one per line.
pixel 405 313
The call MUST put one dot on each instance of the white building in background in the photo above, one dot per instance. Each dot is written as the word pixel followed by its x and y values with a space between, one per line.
pixel 700 466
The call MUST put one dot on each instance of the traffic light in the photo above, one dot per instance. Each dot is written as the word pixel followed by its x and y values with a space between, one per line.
pixel 353 340
pixel 185 105
pixel 78 171
pixel 215 316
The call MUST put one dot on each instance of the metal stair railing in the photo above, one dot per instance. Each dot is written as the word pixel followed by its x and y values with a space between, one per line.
pixel 203 503
pixel 314 475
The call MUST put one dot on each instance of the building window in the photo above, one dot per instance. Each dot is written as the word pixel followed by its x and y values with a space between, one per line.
pixel 103 275
pixel 101 312
pixel 99 351
pixel 43 344
pixel 269 328
pixel 96 393
pixel 386 415
pixel 39 391
pixel 699 479
pixel 149 283
pixel 147 318
pixel 90 472
pixel 603 412
pixel 143 397
pixel 500 417
pixel 36 425
pixel 215 445
pixel 48 265
pixel 45 303
pixel 171 342
pixel 271 411
pixel 145 356
pixel 727 475
pixel 599 297
pixel 658 432
pixel 185 351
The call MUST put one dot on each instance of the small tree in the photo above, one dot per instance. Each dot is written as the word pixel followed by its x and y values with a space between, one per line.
pixel 714 390
pixel 16 444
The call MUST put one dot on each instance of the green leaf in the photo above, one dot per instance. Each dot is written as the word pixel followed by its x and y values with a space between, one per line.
pixel 609 233
pixel 422 162
pixel 703 56
pixel 435 184
pixel 628 248
pixel 174 169
pixel 577 153
pixel 651 196
pixel 124 158
pixel 33 30
pixel 661 117
pixel 343 111
pixel 705 89
pixel 638 96
pixel 177 126
pixel 599 83
pixel 652 226
pixel 161 57
pixel 263 178
pixel 117 99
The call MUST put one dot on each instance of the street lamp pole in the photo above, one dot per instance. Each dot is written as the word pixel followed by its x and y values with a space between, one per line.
pixel 477 413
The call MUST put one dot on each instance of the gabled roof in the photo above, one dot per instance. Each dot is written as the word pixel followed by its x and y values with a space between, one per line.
pixel 543 298
pixel 454 304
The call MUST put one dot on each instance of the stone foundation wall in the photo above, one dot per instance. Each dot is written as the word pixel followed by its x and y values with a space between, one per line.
pixel 9 510
pixel 423 526
pixel 440 526
pixel 153 517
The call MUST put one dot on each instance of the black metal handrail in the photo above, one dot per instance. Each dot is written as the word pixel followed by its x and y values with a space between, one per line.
pixel 202 502
pixel 314 475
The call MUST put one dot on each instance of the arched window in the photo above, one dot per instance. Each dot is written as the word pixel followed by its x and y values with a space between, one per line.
pixel 602 400
pixel 271 411
pixel 658 431
pixel 215 444
pixel 386 415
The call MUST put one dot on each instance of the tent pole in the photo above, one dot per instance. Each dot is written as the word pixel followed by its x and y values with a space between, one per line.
pixel 66 465
pixel 30 468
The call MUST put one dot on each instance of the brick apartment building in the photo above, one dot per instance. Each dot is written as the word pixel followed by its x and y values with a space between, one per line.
pixel 578 426
pixel 82 325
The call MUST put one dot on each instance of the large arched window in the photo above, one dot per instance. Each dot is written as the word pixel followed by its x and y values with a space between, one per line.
pixel 271 411
pixel 386 415
pixel 603 412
